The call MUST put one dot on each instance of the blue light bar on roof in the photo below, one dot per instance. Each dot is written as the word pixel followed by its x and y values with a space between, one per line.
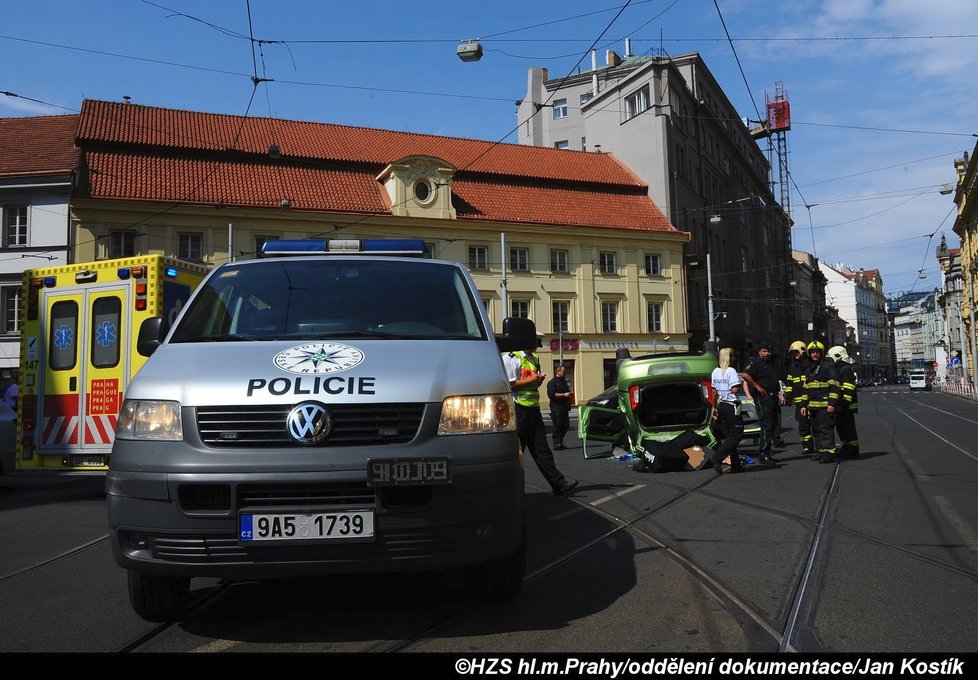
pixel 334 246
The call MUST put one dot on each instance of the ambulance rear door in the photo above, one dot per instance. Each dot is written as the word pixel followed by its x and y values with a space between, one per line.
pixel 84 371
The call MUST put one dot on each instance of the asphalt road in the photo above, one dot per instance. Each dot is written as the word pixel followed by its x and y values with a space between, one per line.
pixel 878 554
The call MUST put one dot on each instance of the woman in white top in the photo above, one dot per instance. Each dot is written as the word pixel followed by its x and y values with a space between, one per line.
pixel 727 382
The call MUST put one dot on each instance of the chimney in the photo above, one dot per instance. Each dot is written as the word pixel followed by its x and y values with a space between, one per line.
pixel 612 58
pixel 594 73
pixel 628 47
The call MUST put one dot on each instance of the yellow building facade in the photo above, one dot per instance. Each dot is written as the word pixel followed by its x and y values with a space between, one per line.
pixel 568 239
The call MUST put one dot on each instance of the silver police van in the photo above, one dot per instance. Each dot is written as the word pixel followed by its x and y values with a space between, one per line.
pixel 331 407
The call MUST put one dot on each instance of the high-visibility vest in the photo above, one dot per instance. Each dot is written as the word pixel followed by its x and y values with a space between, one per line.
pixel 529 365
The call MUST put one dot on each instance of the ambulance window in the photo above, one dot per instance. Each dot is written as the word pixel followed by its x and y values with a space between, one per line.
pixel 63 342
pixel 106 317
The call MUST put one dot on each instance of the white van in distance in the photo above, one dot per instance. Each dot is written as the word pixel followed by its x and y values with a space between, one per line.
pixel 919 381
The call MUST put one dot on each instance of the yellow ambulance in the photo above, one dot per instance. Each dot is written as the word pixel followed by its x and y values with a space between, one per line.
pixel 77 353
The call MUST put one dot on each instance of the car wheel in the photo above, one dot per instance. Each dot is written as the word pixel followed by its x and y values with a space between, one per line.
pixel 500 580
pixel 158 598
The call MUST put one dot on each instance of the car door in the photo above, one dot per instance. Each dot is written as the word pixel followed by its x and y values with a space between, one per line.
pixel 598 426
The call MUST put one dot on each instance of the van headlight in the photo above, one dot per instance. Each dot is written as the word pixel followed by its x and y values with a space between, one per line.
pixel 475 414
pixel 159 420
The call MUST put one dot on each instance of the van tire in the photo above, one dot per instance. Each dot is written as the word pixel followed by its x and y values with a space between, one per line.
pixel 158 598
pixel 500 580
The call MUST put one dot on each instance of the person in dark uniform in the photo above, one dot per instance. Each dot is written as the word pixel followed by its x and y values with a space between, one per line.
pixel 820 400
pixel 798 363
pixel 845 417
pixel 559 393
pixel 525 378
pixel 765 388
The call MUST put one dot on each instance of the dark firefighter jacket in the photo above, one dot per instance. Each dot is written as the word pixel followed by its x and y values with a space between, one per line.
pixel 847 384
pixel 820 385
pixel 796 368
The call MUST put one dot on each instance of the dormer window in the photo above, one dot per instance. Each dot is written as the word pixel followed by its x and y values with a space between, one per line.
pixel 422 191
pixel 419 186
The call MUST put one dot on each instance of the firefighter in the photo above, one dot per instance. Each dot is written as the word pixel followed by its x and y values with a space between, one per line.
pixel 820 400
pixel 845 416
pixel 798 363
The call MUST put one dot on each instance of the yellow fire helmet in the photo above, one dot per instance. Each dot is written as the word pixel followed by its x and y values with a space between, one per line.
pixel 815 344
pixel 797 346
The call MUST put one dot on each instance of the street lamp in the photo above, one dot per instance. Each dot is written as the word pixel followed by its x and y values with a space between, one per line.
pixel 469 50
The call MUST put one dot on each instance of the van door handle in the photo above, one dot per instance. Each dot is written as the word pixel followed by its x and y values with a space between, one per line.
pixel 73 384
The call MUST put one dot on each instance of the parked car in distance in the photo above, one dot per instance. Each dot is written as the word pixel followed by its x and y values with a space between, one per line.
pixel 8 438
pixel 919 381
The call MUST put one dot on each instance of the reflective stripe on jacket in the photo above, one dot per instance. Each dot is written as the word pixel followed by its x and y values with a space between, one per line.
pixel 792 390
pixel 847 382
pixel 529 365
pixel 820 385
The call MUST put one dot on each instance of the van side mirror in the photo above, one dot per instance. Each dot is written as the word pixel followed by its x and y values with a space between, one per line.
pixel 518 334
pixel 151 334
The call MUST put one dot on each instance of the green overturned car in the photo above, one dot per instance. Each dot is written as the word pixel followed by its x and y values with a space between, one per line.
pixel 657 398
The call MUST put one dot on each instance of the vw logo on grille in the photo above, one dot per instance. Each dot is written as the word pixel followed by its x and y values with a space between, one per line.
pixel 309 423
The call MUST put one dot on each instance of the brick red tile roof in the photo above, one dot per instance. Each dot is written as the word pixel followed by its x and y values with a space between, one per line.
pixel 38 145
pixel 145 153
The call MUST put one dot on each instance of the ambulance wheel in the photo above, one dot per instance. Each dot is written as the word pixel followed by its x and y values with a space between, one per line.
pixel 497 581
pixel 158 598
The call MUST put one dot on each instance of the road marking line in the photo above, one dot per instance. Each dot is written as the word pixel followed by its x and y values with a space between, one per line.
pixel 216 646
pixel 616 495
pixel 961 526
pixel 967 420
pixel 969 455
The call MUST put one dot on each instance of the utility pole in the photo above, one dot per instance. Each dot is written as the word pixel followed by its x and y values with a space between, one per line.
pixel 711 343
pixel 502 242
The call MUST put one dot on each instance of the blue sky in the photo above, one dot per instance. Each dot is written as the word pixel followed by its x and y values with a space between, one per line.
pixel 882 92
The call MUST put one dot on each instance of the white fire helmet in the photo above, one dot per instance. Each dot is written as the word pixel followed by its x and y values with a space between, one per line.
pixel 838 354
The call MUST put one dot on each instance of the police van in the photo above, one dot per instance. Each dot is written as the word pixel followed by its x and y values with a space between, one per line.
pixel 333 406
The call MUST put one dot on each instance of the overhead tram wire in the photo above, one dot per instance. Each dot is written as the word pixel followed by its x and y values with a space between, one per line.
pixel 536 111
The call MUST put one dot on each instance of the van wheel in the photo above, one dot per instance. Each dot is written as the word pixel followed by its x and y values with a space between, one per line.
pixel 500 580
pixel 158 598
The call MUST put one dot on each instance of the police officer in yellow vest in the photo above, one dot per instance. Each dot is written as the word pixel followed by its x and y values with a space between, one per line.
pixel 525 378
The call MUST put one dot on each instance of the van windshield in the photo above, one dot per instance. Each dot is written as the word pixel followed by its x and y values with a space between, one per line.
pixel 318 298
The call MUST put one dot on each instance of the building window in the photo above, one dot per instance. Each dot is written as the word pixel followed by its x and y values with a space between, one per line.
pixel 519 259
pixel 562 144
pixel 561 315
pixel 10 299
pixel 479 258
pixel 743 258
pixel 122 244
pixel 652 265
pixel 520 308
pixel 655 317
pixel 559 262
pixel 105 342
pixel 608 262
pixel 15 225
pixel 260 241
pixel 190 247
pixel 583 143
pixel 560 108
pixel 609 317
pixel 586 97
pixel 636 103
